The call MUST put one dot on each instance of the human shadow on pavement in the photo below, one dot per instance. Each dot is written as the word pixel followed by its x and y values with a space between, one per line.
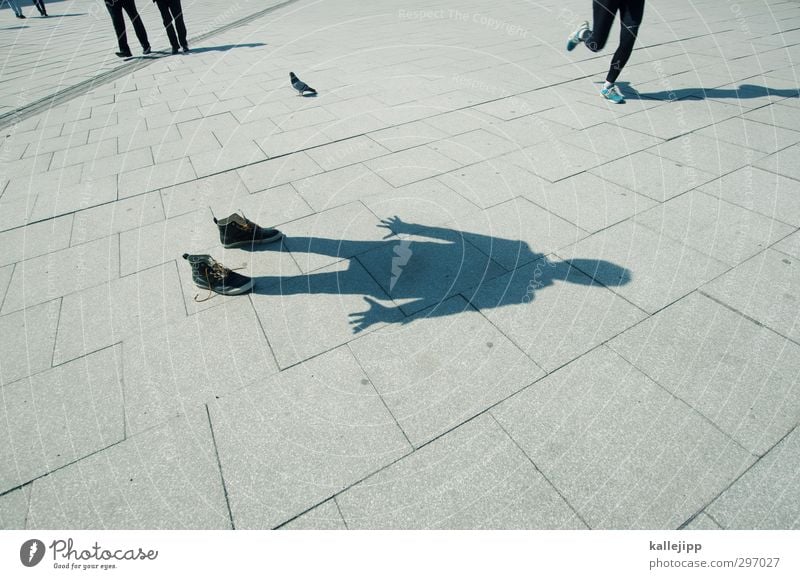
pixel 226 47
pixel 745 91
pixel 418 266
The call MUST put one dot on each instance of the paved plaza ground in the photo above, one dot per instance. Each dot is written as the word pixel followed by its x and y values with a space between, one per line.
pixel 501 302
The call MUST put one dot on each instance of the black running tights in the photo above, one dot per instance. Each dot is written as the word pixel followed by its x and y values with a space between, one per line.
pixel 631 12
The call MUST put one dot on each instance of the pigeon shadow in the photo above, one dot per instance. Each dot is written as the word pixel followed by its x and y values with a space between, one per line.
pixel 745 91
pixel 225 47
pixel 418 267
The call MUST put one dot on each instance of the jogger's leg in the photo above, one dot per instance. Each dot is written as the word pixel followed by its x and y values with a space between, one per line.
pixel 603 13
pixel 631 13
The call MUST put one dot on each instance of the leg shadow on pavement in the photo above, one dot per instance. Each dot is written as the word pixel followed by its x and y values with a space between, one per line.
pixel 745 91
pixel 418 267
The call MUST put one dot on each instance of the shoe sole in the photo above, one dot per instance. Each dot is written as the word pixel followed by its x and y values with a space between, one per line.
pixel 234 291
pixel 246 243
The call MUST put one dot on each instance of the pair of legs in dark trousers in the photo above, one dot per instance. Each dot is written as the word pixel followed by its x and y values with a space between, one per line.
pixel 40 7
pixel 171 11
pixel 115 8
pixel 630 15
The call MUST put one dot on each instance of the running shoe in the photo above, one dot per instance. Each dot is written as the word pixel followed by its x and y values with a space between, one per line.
pixel 613 94
pixel 578 36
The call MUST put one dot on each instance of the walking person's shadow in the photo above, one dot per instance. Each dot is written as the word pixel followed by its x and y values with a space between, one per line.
pixel 426 265
pixel 744 91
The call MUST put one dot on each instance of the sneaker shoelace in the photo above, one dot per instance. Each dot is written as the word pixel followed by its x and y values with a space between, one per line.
pixel 614 90
pixel 218 271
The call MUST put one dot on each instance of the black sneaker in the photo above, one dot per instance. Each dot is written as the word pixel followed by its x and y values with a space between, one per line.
pixel 186 49
pixel 123 54
pixel 146 50
pixel 174 50
pixel 215 277
pixel 236 231
pixel 21 16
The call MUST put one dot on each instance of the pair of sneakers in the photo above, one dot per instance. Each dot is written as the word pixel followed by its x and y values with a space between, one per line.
pixel 234 231
pixel 611 92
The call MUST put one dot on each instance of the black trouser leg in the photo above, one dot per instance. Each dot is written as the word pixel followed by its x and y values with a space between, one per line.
pixel 115 11
pixel 138 26
pixel 180 26
pixel 166 18
pixel 40 6
pixel 603 13
pixel 631 13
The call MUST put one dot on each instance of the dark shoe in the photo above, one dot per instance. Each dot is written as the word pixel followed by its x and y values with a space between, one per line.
pixel 123 54
pixel 215 277
pixel 236 231
pixel 174 50
pixel 146 50
pixel 20 15
pixel 186 49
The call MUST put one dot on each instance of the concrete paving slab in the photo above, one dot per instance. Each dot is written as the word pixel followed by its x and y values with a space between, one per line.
pixel 661 270
pixel 764 288
pixel 347 152
pixel 420 372
pixel 491 182
pixel 553 325
pixel 59 416
pixel 740 375
pixel 761 137
pixel 113 218
pixel 104 315
pixel 783 162
pixel 34 240
pixel 44 278
pixel 31 350
pixel 165 478
pixel 789 246
pixel 278 171
pixel 287 443
pixel 623 452
pixel 557 161
pixel 407 136
pixel 14 508
pixel 709 155
pixel 474 477
pixel 341 186
pixel 702 522
pixel 217 189
pixel 473 147
pixel 727 232
pixel 156 177
pixel 55 201
pixel 760 191
pixel 588 202
pixel 325 517
pixel 175 369
pixel 5 278
pixel 766 496
pixel 411 165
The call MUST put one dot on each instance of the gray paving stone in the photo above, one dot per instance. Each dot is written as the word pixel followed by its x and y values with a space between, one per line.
pixel 112 218
pixel 156 177
pixel 309 314
pixel 235 154
pixel 625 453
pixel 289 442
pixel 34 240
pixel 680 117
pixel 760 191
pixel 44 278
pixel 325 517
pixel 656 177
pixel 324 238
pixel 175 369
pixel 727 232
pixel 279 171
pixel 751 134
pixel 59 416
pixel 559 160
pixel 764 288
pixel 776 114
pixel 204 142
pixel 85 153
pixel 103 315
pixel 473 147
pixel 589 202
pixel 789 246
pixel 165 478
pixel 5 278
pixel 709 155
pixel 28 341
pixel 164 241
pixel 661 270
pixel 214 190
pixel 14 508
pixel 740 375
pixel 553 325
pixel 767 496
pixel 703 522
pixel 491 182
pixel 420 371
pixel 341 186
pixel 411 165
pixel 347 152
pixel 474 477
pixel 783 162
pixel 60 201
pixel 428 202
pixel 114 164
pixel 407 136
pixel 597 138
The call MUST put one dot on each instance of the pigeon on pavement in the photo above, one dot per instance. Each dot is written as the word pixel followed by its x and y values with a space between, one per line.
pixel 299 85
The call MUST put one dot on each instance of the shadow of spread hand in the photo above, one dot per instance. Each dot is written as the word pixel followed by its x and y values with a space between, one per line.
pixel 375 314
pixel 395 225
